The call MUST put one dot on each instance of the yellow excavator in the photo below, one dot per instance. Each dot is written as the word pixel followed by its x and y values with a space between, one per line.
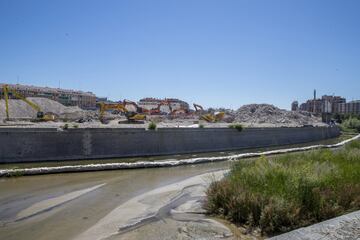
pixel 40 115
pixel 209 117
pixel 132 117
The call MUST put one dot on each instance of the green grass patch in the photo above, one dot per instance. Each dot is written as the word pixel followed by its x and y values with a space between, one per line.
pixel 152 126
pixel 238 127
pixel 284 192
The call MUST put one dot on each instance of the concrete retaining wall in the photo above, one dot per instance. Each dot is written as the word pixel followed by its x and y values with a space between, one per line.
pixel 22 145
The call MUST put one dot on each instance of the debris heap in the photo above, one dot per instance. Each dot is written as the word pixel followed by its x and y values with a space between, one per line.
pixel 18 109
pixel 266 114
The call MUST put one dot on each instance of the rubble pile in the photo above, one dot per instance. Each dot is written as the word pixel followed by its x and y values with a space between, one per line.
pixel 266 114
pixel 18 109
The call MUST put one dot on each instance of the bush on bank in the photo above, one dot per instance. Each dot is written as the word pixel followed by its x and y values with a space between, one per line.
pixel 351 124
pixel 238 127
pixel 152 126
pixel 284 192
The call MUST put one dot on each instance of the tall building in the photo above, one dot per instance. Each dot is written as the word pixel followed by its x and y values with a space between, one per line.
pixel 85 100
pixel 295 106
pixel 327 104
pixel 332 102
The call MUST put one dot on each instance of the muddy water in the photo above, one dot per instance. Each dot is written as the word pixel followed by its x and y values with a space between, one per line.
pixel 68 219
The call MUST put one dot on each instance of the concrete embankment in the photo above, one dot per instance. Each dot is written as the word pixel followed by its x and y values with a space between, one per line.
pixel 27 144
pixel 163 163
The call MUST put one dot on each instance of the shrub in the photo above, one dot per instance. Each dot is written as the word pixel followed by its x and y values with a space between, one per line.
pixel 201 125
pixel 238 127
pixel 152 126
pixel 66 126
pixel 351 123
pixel 75 126
pixel 284 192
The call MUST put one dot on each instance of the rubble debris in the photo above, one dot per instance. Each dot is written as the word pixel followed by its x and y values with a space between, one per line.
pixel 257 114
pixel 21 110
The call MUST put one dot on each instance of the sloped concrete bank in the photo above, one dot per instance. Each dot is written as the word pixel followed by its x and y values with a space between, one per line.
pixel 27 144
pixel 343 227
pixel 163 163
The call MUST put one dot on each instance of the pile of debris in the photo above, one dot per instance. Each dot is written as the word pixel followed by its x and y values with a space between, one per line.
pixel 269 115
pixel 18 109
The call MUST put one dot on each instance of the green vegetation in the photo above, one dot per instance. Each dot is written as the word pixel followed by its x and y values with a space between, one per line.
pixel 238 127
pixel 340 118
pixel 201 125
pixel 75 126
pixel 66 126
pixel 284 192
pixel 152 126
pixel 16 174
pixel 351 124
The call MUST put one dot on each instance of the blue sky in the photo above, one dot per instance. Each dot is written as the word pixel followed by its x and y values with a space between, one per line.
pixel 215 53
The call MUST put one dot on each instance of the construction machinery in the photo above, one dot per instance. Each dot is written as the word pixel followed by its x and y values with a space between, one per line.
pixel 40 115
pixel 198 108
pixel 134 105
pixel 158 110
pixel 209 117
pixel 132 117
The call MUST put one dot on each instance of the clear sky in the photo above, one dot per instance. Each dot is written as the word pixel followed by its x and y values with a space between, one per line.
pixel 215 53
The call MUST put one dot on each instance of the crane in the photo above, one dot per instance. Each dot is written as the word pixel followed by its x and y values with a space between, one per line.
pixel 40 114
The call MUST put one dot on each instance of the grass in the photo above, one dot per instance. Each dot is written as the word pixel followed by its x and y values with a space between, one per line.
pixel 238 127
pixel 351 124
pixel 152 126
pixel 284 192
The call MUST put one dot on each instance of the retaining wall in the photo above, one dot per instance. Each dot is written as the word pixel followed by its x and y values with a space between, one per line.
pixel 24 145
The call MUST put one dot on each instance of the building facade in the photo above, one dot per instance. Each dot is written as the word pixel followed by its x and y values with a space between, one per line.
pixel 153 103
pixel 330 105
pixel 294 106
pixel 85 100
pixel 352 107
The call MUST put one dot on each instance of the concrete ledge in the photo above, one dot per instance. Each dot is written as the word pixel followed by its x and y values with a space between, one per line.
pixel 343 227
pixel 25 145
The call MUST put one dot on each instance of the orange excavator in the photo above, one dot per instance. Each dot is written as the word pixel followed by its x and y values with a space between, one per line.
pixel 158 111
pixel 209 117
pixel 132 117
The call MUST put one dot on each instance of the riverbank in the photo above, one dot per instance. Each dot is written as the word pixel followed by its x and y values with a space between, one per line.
pixel 45 144
pixel 281 193
pixel 8 172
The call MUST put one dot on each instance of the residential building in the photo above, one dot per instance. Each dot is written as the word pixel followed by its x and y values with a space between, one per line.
pixel 352 107
pixel 153 103
pixel 85 100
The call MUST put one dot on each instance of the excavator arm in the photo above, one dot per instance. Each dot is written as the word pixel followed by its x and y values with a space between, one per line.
pixel 198 107
pixel 6 91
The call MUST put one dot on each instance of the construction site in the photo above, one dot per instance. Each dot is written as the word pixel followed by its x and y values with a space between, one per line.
pixel 20 109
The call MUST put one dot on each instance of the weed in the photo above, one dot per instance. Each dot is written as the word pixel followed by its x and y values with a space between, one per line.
pixel 284 192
